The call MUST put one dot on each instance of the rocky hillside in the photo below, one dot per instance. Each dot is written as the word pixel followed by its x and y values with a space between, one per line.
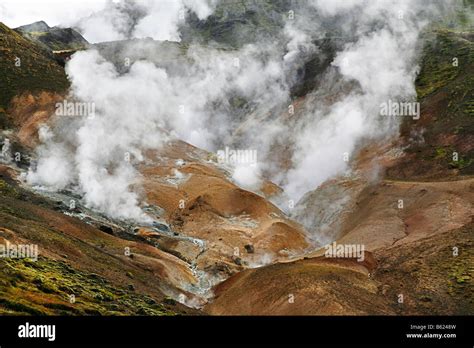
pixel 220 230
pixel 55 38
pixel 215 248
pixel 440 145
pixel 82 269
pixel 421 250
pixel 26 67
pixel 409 252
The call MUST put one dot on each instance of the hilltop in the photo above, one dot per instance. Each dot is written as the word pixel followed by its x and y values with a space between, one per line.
pixel 26 67
pixel 53 38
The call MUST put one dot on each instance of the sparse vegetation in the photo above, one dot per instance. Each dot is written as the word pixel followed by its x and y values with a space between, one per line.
pixel 83 268
pixel 445 89
pixel 26 67
pixel 45 287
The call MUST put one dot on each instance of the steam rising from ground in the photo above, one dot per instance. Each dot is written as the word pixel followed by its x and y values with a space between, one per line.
pixel 382 61
pixel 140 19
pixel 151 103
pixel 139 110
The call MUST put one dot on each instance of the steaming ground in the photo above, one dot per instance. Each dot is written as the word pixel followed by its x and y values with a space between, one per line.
pixel 140 104
pixel 297 102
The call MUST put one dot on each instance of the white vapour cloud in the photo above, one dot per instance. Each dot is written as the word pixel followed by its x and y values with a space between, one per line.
pixel 139 110
pixel 161 23
pixel 247 176
pixel 335 7
pixel 126 19
pixel 149 104
pixel 107 20
pixel 15 13
pixel 54 168
pixel 163 18
pixel 382 63
pixel 111 23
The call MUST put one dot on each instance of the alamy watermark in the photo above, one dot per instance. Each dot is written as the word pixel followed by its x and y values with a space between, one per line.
pixel 19 251
pixel 351 251
pixel 37 331
pixel 237 156
pixel 400 109
pixel 76 109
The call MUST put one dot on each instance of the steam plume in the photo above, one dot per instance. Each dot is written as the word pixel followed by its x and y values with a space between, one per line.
pixel 151 102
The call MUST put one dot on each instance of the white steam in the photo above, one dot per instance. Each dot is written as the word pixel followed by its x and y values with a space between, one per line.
pixel 139 110
pixel 108 20
pixel 159 20
pixel 382 61
pixel 193 98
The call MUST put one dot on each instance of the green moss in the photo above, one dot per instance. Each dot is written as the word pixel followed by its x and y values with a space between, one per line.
pixel 440 153
pixel 45 287
pixel 19 307
pixel 462 279
pixel 7 190
pixel 461 163
pixel 37 71
pixel 469 108
pixel 446 94
pixel 459 276
pixel 438 67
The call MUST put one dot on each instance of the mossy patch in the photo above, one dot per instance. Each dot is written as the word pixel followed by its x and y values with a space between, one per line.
pixel 48 287
pixel 445 87
pixel 8 190
pixel 26 67
pixel 442 61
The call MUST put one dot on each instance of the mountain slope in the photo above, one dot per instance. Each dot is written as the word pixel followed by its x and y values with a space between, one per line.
pixel 206 229
pixel 76 258
pixel 421 250
pixel 446 92
pixel 55 38
pixel 26 67
pixel 430 278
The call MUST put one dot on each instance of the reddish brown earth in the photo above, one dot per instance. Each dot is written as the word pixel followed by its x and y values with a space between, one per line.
pixel 422 251
pixel 413 252
pixel 29 111
pixel 241 228
pixel 410 249
pixel 68 243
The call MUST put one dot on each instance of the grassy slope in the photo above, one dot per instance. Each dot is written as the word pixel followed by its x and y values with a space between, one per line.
pixel 75 259
pixel 432 279
pixel 38 71
pixel 446 94
pixel 44 287
pixel 58 39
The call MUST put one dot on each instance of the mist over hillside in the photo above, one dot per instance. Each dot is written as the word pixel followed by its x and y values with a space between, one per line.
pixel 210 156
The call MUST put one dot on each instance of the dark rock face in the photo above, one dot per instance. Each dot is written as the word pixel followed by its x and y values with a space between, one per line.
pixel 238 23
pixel 249 248
pixel 39 26
pixel 106 229
pixel 53 38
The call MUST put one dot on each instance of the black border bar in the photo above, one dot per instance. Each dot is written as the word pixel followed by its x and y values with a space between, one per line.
pixel 209 330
